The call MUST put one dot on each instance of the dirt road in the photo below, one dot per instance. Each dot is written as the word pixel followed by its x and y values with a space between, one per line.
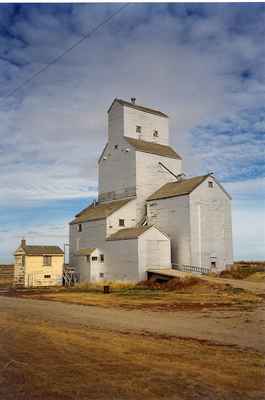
pixel 245 329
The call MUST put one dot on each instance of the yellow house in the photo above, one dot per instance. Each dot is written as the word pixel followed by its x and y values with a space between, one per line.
pixel 38 265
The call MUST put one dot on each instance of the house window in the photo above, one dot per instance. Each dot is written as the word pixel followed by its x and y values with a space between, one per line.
pixel 47 276
pixel 116 146
pixel 138 129
pixel 121 222
pixel 47 261
pixel 213 264
pixel 87 258
pixel 155 133
pixel 210 184
pixel 101 257
pixel 101 274
pixel 79 227
pixel 94 258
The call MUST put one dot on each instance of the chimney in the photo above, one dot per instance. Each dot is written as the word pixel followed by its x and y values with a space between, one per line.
pixel 23 242
pixel 133 100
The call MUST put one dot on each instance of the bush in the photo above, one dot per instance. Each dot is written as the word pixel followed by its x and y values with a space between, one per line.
pixel 243 269
pixel 172 284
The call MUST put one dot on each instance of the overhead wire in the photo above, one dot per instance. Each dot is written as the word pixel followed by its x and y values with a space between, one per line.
pixel 57 58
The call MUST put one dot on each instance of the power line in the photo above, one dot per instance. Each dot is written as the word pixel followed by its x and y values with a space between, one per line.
pixel 54 60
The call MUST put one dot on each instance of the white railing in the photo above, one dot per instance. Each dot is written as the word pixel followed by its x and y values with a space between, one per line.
pixel 192 268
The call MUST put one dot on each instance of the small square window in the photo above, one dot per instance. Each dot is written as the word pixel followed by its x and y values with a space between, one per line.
pixel 101 274
pixel 121 222
pixel 94 258
pixel 87 258
pixel 102 257
pixel 47 261
pixel 210 184
pixel 47 276
pixel 79 227
pixel 116 146
pixel 138 129
pixel 155 133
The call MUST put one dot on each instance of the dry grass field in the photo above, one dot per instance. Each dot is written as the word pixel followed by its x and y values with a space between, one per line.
pixel 59 361
pixel 178 294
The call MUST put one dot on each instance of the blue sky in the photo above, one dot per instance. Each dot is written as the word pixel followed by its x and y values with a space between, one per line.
pixel 202 64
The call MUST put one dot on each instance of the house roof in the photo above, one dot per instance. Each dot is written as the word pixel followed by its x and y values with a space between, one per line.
pixel 138 107
pixel 41 250
pixel 85 252
pixel 152 148
pixel 178 188
pixel 129 233
pixel 99 211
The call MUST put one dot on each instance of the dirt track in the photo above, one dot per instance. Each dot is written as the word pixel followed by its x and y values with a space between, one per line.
pixel 245 329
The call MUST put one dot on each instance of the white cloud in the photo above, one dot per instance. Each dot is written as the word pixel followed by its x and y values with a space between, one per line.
pixel 53 130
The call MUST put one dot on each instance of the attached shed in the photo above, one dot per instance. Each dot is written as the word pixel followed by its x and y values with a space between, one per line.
pixel 131 252
pixel 38 265
pixel 90 264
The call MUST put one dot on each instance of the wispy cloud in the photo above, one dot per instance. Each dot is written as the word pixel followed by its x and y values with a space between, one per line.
pixel 203 65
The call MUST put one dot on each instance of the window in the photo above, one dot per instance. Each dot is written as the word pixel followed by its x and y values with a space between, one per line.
pixel 87 258
pixel 121 222
pixel 210 184
pixel 102 257
pixel 213 264
pixel 116 146
pixel 47 276
pixel 101 274
pixel 155 133
pixel 47 261
pixel 94 258
pixel 138 129
pixel 79 227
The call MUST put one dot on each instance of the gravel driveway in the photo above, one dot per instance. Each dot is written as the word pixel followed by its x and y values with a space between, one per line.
pixel 245 329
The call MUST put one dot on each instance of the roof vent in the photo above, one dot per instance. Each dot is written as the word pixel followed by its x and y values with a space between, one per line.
pixel 133 100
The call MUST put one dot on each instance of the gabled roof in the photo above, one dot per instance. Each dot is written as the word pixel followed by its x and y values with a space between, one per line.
pixel 129 233
pixel 99 211
pixel 85 252
pixel 152 148
pixel 178 188
pixel 41 250
pixel 138 107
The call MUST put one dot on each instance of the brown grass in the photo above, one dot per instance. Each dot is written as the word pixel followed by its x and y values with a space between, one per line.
pixel 52 362
pixel 190 293
pixel 243 269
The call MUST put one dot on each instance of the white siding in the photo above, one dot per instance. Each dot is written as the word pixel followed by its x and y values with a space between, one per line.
pixel 122 260
pixel 154 251
pixel 93 235
pixel 117 174
pixel 90 270
pixel 211 228
pixel 116 122
pixel 150 176
pixel 148 122
pixel 127 212
pixel 172 216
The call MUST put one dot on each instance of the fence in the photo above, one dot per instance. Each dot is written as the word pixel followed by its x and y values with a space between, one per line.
pixel 192 268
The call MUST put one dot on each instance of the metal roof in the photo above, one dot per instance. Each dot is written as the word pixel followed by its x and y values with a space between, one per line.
pixel 152 148
pixel 41 250
pixel 99 211
pixel 129 233
pixel 138 107
pixel 178 188
pixel 85 252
